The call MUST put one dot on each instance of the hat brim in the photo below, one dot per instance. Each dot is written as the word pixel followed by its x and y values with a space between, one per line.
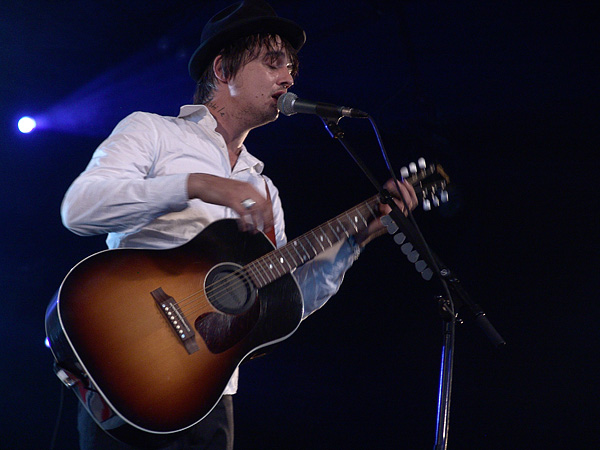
pixel 206 52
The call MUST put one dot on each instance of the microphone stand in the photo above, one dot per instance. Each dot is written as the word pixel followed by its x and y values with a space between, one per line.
pixel 447 304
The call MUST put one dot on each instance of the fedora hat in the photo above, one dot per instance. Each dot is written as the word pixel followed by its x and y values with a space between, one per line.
pixel 241 19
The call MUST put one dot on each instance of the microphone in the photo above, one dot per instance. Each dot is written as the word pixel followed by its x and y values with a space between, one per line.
pixel 290 104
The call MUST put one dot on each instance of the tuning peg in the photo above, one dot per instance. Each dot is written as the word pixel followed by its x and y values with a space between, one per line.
pixel 421 163
pixel 404 172
pixel 420 266
pixel 427 274
pixel 389 224
pixel 412 167
pixel 444 196
pixel 406 248
pixel 399 238
pixel 426 205
pixel 435 200
pixel 413 256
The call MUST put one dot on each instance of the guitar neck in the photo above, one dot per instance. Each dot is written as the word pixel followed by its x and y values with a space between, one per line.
pixel 284 260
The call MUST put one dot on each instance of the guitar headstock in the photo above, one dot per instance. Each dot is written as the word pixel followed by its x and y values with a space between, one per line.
pixel 429 181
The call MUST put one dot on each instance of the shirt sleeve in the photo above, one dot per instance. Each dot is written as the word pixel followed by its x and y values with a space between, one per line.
pixel 117 192
pixel 322 277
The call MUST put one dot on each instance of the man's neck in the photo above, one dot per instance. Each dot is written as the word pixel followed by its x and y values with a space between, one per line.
pixel 229 128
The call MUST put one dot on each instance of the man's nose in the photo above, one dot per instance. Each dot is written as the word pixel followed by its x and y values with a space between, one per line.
pixel 286 79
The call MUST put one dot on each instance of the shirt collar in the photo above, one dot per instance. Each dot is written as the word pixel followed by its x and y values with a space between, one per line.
pixel 196 113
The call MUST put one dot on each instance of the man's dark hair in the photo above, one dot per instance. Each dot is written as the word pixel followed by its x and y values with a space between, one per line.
pixel 237 54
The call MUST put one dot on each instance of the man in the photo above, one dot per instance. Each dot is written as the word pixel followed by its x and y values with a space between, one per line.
pixel 157 182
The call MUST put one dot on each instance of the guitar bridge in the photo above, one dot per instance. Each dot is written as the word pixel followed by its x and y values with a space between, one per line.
pixel 171 311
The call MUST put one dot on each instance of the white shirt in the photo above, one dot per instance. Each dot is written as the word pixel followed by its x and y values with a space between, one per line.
pixel 135 189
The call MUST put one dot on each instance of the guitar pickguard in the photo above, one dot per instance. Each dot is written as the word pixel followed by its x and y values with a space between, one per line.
pixel 220 331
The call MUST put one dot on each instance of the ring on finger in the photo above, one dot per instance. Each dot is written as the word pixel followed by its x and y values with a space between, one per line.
pixel 248 203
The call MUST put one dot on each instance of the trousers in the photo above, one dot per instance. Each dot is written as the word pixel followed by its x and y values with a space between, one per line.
pixel 214 432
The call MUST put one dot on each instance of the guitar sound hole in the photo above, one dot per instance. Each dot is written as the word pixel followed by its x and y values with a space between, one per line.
pixel 229 289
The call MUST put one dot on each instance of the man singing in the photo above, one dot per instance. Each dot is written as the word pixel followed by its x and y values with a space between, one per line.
pixel 156 182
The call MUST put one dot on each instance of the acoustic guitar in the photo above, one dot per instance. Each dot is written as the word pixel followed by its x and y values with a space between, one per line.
pixel 148 339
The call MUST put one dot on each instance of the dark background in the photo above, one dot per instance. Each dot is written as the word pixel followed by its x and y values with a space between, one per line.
pixel 504 94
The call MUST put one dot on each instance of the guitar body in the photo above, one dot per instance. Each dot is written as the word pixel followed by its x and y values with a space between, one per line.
pixel 106 326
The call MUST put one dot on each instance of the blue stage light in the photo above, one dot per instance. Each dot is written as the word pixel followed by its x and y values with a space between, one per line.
pixel 26 124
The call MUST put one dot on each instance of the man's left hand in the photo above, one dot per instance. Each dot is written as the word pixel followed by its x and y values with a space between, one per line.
pixel 405 198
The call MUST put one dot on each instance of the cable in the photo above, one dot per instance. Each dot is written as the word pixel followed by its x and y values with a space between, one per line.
pixel 59 416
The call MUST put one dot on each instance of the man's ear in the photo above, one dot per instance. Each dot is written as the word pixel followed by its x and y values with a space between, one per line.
pixel 218 69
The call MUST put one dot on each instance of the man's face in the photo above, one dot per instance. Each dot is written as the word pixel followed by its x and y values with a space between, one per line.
pixel 256 87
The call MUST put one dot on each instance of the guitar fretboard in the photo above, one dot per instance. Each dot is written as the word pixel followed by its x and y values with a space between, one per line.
pixel 281 261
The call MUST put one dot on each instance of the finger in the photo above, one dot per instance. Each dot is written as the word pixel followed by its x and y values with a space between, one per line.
pixel 407 194
pixel 262 215
pixel 244 222
pixel 245 211
pixel 414 201
pixel 257 223
pixel 401 193
pixel 256 218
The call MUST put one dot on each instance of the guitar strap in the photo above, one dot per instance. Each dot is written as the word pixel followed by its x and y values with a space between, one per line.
pixel 271 233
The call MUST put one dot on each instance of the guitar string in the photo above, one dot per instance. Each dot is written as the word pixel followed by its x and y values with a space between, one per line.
pixel 254 268
pixel 234 281
pixel 238 280
pixel 253 272
pixel 225 286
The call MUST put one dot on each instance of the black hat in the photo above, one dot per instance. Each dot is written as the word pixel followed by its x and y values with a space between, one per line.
pixel 239 20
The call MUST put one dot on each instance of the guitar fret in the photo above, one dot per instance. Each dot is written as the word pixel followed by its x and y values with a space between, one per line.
pixel 312 246
pixel 273 265
pixel 363 218
pixel 282 260
pixel 327 236
pixel 306 256
pixel 255 271
pixel 319 241
pixel 265 273
pixel 262 271
pixel 290 256
pixel 336 235
pixel 352 222
pixel 294 246
pixel 344 228
pixel 373 213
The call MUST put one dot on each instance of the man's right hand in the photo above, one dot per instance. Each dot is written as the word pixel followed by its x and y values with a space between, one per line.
pixel 233 193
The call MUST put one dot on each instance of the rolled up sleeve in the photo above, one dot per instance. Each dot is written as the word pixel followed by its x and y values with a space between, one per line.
pixel 322 277
pixel 116 192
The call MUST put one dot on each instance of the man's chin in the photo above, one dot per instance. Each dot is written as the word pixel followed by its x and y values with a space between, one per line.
pixel 271 117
